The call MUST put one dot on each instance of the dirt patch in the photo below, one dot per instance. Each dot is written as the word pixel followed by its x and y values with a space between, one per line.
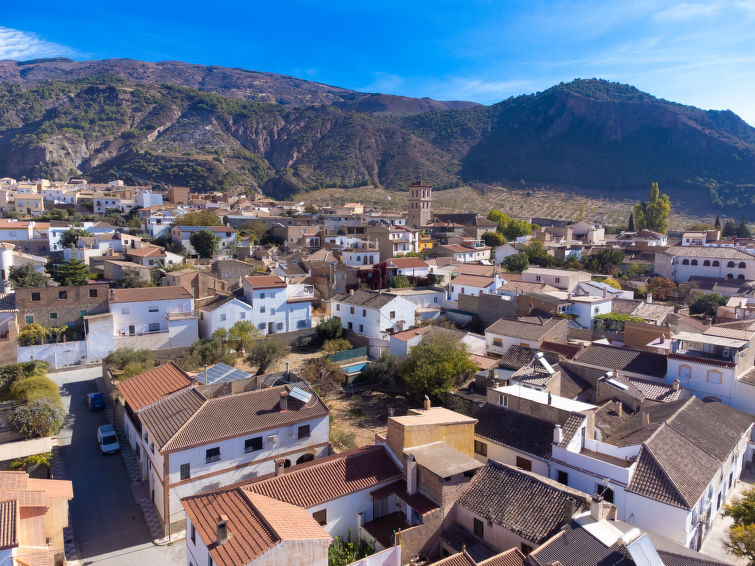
pixel 364 414
pixel 296 360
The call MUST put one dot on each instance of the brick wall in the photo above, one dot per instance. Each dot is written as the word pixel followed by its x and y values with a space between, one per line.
pixel 66 302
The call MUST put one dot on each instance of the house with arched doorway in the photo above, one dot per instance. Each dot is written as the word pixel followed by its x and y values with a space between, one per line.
pixel 679 263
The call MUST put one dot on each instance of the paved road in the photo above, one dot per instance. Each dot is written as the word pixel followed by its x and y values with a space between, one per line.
pixel 107 522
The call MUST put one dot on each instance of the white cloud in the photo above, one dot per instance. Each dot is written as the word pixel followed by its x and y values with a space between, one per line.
pixel 687 11
pixel 22 45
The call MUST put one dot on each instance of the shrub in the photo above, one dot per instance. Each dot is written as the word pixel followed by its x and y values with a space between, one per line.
pixel 29 462
pixel 34 333
pixel 337 345
pixel 434 365
pixel 384 370
pixel 325 376
pixel 41 417
pixel 342 439
pixel 131 369
pixel 330 329
pixel 35 387
pixel 264 353
pixel 399 282
pixel 11 373
pixel 121 357
pixel 707 304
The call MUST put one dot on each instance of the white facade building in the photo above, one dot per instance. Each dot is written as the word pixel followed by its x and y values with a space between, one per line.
pixel 372 313
pixel 277 307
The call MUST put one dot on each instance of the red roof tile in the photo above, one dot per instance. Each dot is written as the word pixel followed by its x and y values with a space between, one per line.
pixel 264 281
pixel 8 523
pixel 472 281
pixel 149 294
pixel 325 479
pixel 151 386
pixel 408 262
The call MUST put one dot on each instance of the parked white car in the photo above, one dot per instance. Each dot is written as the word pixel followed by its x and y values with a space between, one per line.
pixel 107 439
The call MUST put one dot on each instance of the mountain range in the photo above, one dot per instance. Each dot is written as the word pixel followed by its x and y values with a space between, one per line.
pixel 220 128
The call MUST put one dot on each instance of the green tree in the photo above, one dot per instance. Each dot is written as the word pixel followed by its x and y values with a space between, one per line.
pixel 257 230
pixel 310 209
pixel 537 254
pixel 493 239
pixel 510 228
pixel 606 260
pixel 630 224
pixel 330 329
pixel 121 357
pixel 654 213
pixel 399 281
pixel 33 333
pixel 41 417
pixel 264 353
pixel 717 224
pixel 25 276
pixel 740 540
pixel 742 508
pixel 324 376
pixel 707 304
pixel 130 280
pixel 205 243
pixel 71 272
pixel 71 237
pixel 384 370
pixel 516 263
pixel 198 218
pixel 730 229
pixel 242 335
pixel 742 230
pixel 434 365
pixel 35 387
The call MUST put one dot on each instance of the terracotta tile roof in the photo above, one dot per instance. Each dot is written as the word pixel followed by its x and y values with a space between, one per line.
pixel 512 557
pixel 212 303
pixel 519 431
pixel 566 350
pixel 287 521
pixel 364 298
pixel 706 252
pixel 243 413
pixel 570 428
pixel 53 488
pixel 408 262
pixel 483 362
pixel 623 359
pixel 526 328
pixel 8 524
pixel 575 546
pixel 148 294
pixel 458 248
pixel 655 390
pixel 14 480
pixel 478 281
pixel 723 332
pixel 146 251
pixel 265 281
pixel 165 418
pixel 524 503
pixel 26 498
pixel 416 501
pixel 459 559
pixel 325 479
pixel 152 385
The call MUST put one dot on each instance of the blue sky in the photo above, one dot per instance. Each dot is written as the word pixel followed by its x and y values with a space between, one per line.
pixel 698 53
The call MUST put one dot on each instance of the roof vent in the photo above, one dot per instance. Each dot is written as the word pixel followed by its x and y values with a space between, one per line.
pixel 283 400
pixel 558 435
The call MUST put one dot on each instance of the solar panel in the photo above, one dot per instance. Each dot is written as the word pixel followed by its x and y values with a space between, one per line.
pixel 221 373
pixel 617 384
pixel 300 395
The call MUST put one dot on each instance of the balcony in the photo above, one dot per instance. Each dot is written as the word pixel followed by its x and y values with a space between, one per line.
pixel 181 315
pixel 300 293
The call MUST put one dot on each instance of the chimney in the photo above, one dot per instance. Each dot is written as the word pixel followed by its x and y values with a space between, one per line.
pixel 570 508
pixel 649 298
pixel 280 465
pixel 351 291
pixel 427 403
pixel 411 475
pixel 675 385
pixel 284 400
pixel 558 435
pixel 598 508
pixel 221 527
pixel 645 418
pixel 550 398
pixel 620 409
pixel 286 370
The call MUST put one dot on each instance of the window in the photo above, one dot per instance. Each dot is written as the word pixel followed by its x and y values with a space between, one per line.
pixel 222 317
pixel 693 262
pixel 338 307
pixel 321 516
pixel 83 312
pixel 193 534
pixel 364 312
pixel 242 315
pixel 262 295
pixel 124 310
pixel 35 297
pixel 562 477
pixel 185 471
pixel 53 315
pixel 742 265
pixel 685 262
pixel 713 376
pixel 279 326
pixel 154 327
pixel 29 319
pixel 301 324
pixel 351 326
pixel 480 448
pixel 303 431
pixel 62 295
pixel 497 341
pixel 261 326
pixel 361 328
pixel 153 308
pixel 212 455
pixel 351 310
pixel 524 463
pixel 740 276
pixel 253 444
pixel 503 400
pixel 558 280
pixel 393 314
pixel 730 264
pixel 479 528
pixel 706 263
pixel 716 263
pixel 262 309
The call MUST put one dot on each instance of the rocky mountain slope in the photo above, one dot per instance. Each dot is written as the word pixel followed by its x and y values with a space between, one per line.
pixel 588 133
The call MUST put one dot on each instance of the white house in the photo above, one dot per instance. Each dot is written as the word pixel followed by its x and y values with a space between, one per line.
pixel 153 310
pixel 185 446
pixel 409 266
pixel 474 285
pixel 502 252
pixel 145 199
pixel 558 278
pixel 529 331
pixel 585 308
pixel 679 263
pixel 368 254
pixel 599 289
pixel 373 313
pixel 222 311
pixel 277 307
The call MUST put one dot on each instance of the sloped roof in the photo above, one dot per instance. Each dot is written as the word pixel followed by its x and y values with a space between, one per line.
pixel 215 302
pixel 230 416
pixel 519 431
pixel 524 503
pixel 265 281
pixel 364 298
pixel 623 359
pixel 478 281
pixel 575 546
pixel 165 418
pixel 149 294
pixel 408 262
pixel 325 479
pixel 706 252
pixel 526 328
pixel 152 385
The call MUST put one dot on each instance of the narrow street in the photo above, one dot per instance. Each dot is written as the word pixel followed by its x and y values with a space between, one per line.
pixel 108 524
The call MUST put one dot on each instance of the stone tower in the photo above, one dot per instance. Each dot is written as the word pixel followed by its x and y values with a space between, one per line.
pixel 420 204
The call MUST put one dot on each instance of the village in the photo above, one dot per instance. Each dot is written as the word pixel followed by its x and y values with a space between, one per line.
pixel 282 383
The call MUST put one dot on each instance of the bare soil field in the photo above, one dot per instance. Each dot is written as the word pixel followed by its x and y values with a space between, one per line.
pixel 364 414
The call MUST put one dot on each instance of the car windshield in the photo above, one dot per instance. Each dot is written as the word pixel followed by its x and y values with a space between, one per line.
pixel 109 439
